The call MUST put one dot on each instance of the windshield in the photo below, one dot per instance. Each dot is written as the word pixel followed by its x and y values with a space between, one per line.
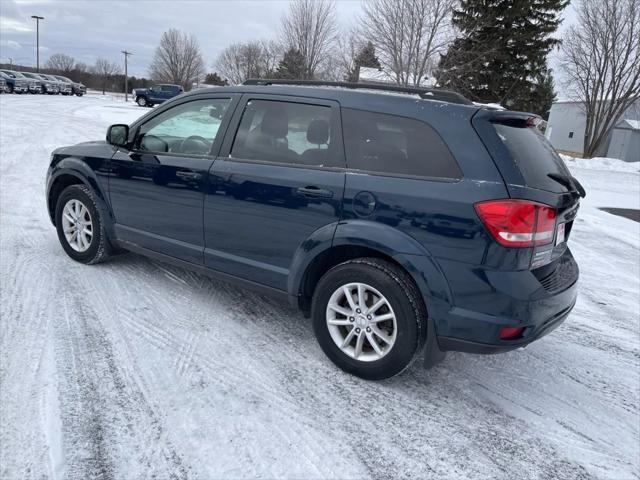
pixel 534 156
pixel 19 75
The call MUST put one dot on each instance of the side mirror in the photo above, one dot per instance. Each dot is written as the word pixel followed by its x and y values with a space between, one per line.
pixel 118 135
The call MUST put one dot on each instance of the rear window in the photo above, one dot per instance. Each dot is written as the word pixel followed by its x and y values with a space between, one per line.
pixel 389 144
pixel 533 154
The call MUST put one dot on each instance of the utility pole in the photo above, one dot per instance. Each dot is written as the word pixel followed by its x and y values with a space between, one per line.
pixel 37 41
pixel 10 63
pixel 126 76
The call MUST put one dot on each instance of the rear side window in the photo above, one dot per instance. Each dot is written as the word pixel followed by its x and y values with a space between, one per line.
pixel 533 154
pixel 285 132
pixel 389 144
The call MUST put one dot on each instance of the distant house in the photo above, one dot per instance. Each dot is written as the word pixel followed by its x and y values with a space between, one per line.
pixel 373 75
pixel 565 131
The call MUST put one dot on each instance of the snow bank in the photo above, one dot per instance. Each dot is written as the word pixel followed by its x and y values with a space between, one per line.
pixel 601 163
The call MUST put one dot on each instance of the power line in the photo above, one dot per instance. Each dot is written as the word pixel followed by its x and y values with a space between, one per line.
pixel 126 75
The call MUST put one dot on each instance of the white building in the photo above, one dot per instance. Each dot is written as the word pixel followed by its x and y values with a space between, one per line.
pixel 566 126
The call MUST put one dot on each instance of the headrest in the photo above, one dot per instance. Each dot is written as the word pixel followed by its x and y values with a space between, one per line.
pixel 275 123
pixel 318 132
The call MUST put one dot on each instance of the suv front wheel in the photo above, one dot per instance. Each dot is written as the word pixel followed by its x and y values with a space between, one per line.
pixel 369 318
pixel 80 229
pixel 142 101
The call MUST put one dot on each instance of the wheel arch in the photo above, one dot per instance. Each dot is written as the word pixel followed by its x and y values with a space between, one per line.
pixel 358 239
pixel 72 171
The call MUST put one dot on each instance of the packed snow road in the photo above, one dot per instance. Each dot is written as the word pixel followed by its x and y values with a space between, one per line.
pixel 135 369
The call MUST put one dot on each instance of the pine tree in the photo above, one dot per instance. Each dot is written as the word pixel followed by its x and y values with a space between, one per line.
pixel 215 79
pixel 365 57
pixel 501 53
pixel 292 65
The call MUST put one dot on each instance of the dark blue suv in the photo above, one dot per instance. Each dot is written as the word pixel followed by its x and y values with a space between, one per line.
pixel 148 97
pixel 397 220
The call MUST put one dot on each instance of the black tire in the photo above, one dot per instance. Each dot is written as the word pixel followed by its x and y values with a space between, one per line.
pixel 99 249
pixel 142 101
pixel 402 294
pixel 9 88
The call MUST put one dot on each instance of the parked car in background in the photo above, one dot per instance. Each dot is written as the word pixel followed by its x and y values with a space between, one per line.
pixel 15 83
pixel 395 222
pixel 148 97
pixel 77 88
pixel 3 85
pixel 46 86
pixel 63 87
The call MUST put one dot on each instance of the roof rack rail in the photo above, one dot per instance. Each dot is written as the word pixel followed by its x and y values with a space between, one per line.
pixel 423 92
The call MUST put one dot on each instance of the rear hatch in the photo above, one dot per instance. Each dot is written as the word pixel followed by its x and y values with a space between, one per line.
pixel 533 171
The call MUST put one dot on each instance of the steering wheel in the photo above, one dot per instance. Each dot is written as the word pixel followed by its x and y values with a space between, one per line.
pixel 194 144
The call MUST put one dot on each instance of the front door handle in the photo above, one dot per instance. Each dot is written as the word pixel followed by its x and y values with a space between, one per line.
pixel 188 175
pixel 313 191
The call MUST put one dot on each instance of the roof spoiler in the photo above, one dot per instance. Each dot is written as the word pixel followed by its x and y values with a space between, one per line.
pixel 424 92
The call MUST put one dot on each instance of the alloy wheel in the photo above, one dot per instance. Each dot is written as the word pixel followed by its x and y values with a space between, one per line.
pixel 77 225
pixel 361 322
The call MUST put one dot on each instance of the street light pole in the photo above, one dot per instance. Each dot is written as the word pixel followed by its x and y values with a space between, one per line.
pixel 126 76
pixel 37 41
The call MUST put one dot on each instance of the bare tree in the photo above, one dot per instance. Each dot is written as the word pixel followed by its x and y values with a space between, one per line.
pixel 601 60
pixel 105 69
pixel 310 28
pixel 255 59
pixel 177 59
pixel 408 35
pixel 61 62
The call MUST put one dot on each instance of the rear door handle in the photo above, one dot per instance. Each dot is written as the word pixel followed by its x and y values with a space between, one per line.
pixel 188 175
pixel 313 191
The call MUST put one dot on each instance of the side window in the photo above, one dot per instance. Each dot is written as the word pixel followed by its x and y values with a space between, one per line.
pixel 395 145
pixel 285 132
pixel 189 128
pixel 167 88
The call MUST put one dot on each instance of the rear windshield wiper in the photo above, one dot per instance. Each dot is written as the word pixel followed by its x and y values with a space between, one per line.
pixel 568 181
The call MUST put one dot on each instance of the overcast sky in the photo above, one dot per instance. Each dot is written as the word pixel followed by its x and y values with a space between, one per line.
pixel 88 29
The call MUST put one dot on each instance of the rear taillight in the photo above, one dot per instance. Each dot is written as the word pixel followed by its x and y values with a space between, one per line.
pixel 510 333
pixel 518 223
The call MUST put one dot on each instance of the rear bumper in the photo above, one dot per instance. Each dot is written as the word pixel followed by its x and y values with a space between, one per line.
pixel 468 346
pixel 489 301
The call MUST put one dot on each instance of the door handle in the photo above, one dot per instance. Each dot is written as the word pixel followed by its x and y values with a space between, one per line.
pixel 188 175
pixel 313 191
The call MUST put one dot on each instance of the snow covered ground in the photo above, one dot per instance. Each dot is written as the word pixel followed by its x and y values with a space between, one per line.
pixel 135 369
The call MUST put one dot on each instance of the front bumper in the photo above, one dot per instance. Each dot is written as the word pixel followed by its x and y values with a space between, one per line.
pixel 35 88
pixel 487 301
pixel 21 88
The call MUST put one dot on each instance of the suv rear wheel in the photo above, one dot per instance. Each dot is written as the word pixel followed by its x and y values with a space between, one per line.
pixel 369 318
pixel 80 229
